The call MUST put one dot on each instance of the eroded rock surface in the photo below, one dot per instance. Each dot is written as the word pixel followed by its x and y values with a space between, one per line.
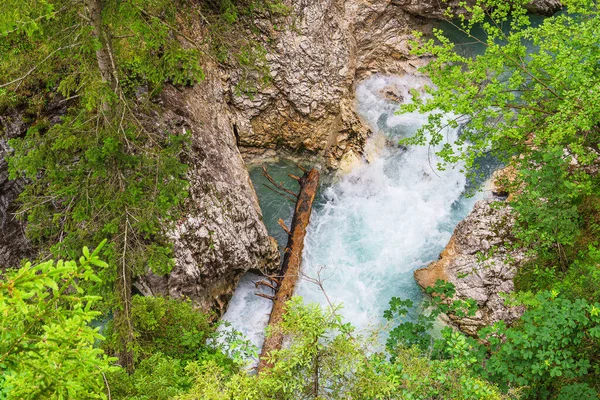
pixel 315 62
pixel 479 262
pixel 544 7
pixel 430 8
pixel 324 49
pixel 437 8
pixel 222 234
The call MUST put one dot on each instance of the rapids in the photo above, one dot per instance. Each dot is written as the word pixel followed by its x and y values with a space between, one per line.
pixel 370 228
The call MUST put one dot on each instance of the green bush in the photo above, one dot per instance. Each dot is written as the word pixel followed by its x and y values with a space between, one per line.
pixel 168 326
pixel 47 343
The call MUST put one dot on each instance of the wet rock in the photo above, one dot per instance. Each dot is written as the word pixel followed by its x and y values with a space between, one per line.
pixel 480 263
pixel 392 95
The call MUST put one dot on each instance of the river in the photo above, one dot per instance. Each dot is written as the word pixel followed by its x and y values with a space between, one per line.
pixel 372 227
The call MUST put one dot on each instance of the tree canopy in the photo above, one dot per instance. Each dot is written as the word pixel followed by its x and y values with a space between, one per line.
pixel 47 345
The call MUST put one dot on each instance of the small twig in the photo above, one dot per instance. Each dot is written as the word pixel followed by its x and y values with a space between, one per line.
pixel 279 193
pixel 276 279
pixel 285 228
pixel 69 98
pixel 277 185
pixel 107 387
pixel 264 283
pixel 266 296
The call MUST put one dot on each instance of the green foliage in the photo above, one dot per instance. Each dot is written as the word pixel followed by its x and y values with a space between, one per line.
pixel 408 333
pixel 551 351
pixel 106 167
pixel 99 170
pixel 553 347
pixel 46 341
pixel 555 221
pixel 168 335
pixel 158 377
pixel 531 99
pixel 235 38
pixel 326 359
pixel 167 326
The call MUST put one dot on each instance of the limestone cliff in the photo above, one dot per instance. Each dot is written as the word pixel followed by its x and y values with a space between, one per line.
pixel 222 234
pixel 327 47
pixel 480 263
pixel 324 49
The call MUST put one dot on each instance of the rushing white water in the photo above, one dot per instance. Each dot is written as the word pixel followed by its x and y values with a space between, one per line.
pixel 372 228
pixel 385 218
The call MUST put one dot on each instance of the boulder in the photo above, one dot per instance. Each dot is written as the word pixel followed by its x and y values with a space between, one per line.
pixel 481 264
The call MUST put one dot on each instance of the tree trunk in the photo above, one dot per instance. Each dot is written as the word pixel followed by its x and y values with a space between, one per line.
pixel 290 268
pixel 123 317
pixel 103 54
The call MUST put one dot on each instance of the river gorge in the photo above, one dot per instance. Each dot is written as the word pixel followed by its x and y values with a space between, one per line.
pixel 372 226
pixel 376 220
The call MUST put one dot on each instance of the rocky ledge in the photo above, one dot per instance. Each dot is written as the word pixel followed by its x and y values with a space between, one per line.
pixel 481 264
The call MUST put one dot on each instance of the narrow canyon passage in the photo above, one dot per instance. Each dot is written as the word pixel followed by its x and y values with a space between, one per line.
pixel 392 213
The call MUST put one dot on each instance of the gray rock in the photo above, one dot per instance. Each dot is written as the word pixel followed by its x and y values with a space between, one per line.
pixel 13 244
pixel 430 8
pixel 480 263
pixel 544 7
pixel 315 62
pixel 222 234
pixel 437 8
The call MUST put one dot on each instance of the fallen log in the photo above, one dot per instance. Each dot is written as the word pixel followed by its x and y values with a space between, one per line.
pixel 290 268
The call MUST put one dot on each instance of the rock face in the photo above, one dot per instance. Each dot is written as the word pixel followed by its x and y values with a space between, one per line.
pixel 437 8
pixel 544 7
pixel 430 8
pixel 479 262
pixel 14 246
pixel 222 235
pixel 315 63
